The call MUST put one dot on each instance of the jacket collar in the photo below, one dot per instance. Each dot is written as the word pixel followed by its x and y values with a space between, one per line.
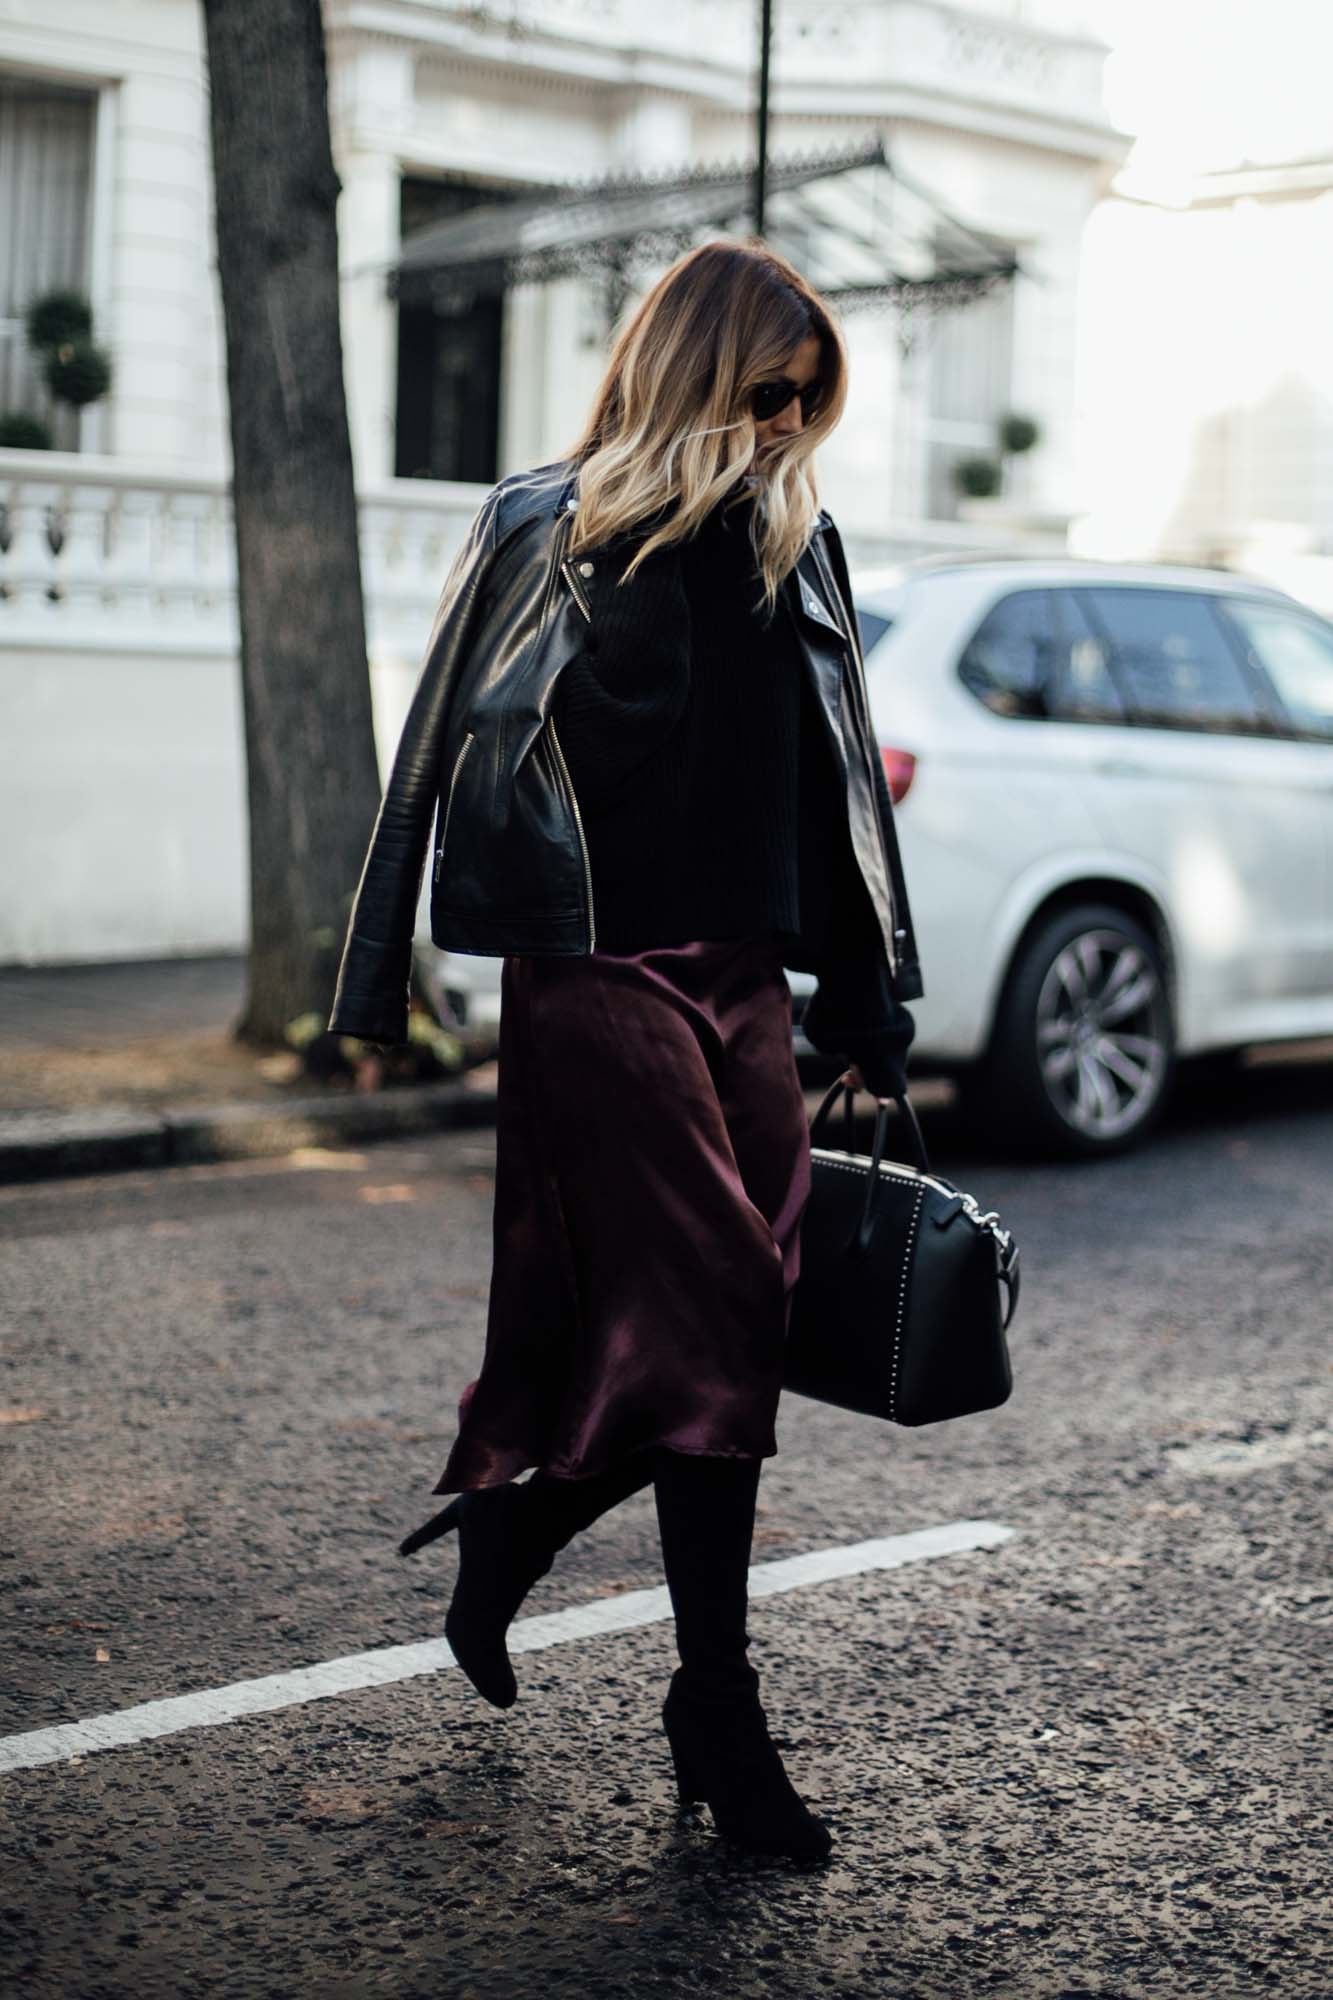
pixel 811 585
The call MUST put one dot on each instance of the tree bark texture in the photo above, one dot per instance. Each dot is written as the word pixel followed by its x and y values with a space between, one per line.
pixel 312 776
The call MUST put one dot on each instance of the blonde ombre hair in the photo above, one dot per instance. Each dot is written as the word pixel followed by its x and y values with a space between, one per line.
pixel 671 429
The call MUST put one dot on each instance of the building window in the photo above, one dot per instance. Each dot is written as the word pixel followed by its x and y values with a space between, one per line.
pixel 969 372
pixel 448 410
pixel 46 157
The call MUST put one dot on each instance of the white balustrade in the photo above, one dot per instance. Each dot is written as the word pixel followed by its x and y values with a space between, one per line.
pixel 82 561
pixel 176 562
pixel 131 554
pixel 106 555
pixel 101 555
pixel 29 558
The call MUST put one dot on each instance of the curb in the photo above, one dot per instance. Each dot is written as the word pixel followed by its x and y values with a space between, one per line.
pixel 45 1145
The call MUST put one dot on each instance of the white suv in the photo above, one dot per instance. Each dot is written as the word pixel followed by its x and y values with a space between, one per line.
pixel 1114 794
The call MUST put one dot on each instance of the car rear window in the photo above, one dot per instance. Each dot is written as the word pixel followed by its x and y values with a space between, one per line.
pixel 1295 650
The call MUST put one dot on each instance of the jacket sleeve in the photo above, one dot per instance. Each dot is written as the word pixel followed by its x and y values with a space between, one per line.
pixel 371 995
pixel 622 694
pixel 853 1011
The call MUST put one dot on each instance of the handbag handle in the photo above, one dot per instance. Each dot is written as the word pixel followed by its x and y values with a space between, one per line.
pixel 1007 1249
pixel 881 1134
pixel 881 1122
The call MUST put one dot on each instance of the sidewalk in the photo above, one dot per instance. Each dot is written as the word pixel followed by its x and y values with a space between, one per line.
pixel 135 1065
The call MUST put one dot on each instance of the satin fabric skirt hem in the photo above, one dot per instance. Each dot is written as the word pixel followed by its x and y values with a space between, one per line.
pixel 652 1170
pixel 519 1462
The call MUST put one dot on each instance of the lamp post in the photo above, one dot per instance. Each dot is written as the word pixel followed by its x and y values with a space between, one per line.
pixel 761 165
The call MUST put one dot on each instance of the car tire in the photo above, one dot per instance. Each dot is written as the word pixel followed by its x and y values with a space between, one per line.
pixel 1081 1054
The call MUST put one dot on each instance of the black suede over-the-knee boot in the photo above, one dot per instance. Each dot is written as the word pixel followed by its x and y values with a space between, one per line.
pixel 508 1537
pixel 563 1508
pixel 714 1721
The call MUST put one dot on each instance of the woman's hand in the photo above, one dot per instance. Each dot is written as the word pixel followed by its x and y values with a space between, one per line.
pixel 858 1082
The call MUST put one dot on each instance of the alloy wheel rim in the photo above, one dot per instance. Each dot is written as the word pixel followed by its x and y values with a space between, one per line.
pixel 1101 1033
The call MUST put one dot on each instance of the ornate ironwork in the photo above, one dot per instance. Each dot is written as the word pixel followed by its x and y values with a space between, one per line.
pixel 537 240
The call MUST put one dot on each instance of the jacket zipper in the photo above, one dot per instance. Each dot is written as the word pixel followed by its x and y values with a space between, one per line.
pixel 578 823
pixel 864 731
pixel 468 741
pixel 576 590
pixel 563 529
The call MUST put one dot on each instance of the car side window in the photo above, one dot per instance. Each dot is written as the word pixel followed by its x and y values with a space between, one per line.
pixel 1007 662
pixel 1083 685
pixel 872 626
pixel 1172 658
pixel 1295 649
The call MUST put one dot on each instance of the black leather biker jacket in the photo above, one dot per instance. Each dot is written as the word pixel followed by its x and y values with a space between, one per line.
pixel 479 755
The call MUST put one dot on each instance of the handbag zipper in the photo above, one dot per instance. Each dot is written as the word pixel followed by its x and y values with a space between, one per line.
pixel 468 741
pixel 898 1169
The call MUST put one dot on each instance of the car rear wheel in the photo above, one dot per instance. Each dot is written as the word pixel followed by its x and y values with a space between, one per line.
pixel 1082 1049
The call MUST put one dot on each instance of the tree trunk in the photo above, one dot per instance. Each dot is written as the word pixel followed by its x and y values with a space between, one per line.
pixel 309 734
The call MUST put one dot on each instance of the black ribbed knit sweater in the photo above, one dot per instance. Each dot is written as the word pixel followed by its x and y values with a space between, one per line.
pixel 711 800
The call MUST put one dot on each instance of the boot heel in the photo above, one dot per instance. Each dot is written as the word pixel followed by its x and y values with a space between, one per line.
pixel 438 1524
pixel 689 1785
pixel 730 1763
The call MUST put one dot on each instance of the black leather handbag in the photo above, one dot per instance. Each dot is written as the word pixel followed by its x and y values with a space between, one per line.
pixel 906 1287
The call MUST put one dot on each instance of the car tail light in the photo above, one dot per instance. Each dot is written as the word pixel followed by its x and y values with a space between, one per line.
pixel 899 769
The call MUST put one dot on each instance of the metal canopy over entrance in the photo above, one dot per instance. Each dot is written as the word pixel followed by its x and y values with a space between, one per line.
pixel 862 232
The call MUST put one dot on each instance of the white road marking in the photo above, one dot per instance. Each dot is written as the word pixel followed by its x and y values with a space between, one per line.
pixel 70 1741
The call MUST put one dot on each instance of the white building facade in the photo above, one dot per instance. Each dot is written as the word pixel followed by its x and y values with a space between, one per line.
pixel 1204 413
pixel 121 787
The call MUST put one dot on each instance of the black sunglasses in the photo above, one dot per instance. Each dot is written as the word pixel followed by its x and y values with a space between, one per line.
pixel 769 399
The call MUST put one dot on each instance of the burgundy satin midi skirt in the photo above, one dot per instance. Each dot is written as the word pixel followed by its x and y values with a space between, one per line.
pixel 652 1171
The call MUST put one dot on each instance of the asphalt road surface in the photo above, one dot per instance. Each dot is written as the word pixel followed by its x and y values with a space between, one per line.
pixel 1089 1760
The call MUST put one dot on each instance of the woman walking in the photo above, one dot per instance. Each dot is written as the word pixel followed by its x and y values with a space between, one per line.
pixel 664 791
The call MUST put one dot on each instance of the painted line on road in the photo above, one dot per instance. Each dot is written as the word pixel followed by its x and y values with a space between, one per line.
pixel 387 1664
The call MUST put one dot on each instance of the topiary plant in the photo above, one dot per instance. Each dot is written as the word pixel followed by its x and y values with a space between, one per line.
pixel 977 477
pixel 58 317
pixel 1017 434
pixel 20 432
pixel 60 326
pixel 78 372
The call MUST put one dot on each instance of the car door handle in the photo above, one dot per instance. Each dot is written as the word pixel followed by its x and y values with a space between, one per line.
pixel 1119 767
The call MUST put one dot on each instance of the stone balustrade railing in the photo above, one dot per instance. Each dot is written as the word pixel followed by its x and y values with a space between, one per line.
pixel 106 555
pixel 103 555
